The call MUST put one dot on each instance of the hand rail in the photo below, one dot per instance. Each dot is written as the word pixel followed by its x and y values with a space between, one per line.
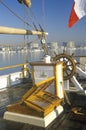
pixel 24 69
pixel 13 66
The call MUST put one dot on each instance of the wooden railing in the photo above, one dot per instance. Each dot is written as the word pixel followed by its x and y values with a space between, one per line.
pixel 24 68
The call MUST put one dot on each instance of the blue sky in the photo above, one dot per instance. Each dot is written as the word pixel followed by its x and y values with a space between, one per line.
pixel 53 15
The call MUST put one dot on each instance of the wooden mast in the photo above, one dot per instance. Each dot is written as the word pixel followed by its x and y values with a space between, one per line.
pixel 17 31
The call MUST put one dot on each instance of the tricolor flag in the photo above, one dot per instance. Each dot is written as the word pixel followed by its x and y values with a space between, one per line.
pixel 78 11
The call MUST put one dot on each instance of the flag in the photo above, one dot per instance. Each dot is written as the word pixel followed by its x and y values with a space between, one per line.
pixel 78 11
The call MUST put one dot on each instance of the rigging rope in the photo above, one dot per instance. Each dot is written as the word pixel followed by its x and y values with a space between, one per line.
pixel 35 17
pixel 25 39
pixel 30 19
pixel 15 14
pixel 35 40
pixel 43 12
pixel 24 20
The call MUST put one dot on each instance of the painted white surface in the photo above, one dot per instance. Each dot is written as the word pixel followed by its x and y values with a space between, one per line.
pixel 4 81
pixel 10 79
pixel 76 83
pixel 15 78
pixel 37 121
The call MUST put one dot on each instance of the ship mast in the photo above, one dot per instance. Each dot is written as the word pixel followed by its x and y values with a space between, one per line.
pixel 17 31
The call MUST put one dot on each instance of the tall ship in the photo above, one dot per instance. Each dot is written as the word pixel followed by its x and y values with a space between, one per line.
pixel 46 94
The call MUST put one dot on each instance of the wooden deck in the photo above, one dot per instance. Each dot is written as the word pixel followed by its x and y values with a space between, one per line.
pixel 65 122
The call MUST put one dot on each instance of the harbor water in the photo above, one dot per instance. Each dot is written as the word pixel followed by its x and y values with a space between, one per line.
pixel 13 58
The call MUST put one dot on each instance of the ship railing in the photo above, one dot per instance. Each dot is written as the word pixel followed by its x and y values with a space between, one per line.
pixel 14 78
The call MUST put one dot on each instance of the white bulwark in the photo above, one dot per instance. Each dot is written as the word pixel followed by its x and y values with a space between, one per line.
pixel 10 79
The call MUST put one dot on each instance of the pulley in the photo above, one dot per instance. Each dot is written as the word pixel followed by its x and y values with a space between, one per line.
pixel 26 2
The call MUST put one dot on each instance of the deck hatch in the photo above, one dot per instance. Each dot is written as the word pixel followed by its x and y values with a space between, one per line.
pixel 41 100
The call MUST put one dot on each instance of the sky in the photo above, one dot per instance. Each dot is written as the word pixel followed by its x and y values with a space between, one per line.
pixel 52 15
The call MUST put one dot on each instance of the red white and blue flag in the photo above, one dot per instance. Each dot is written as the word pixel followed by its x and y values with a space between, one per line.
pixel 78 11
